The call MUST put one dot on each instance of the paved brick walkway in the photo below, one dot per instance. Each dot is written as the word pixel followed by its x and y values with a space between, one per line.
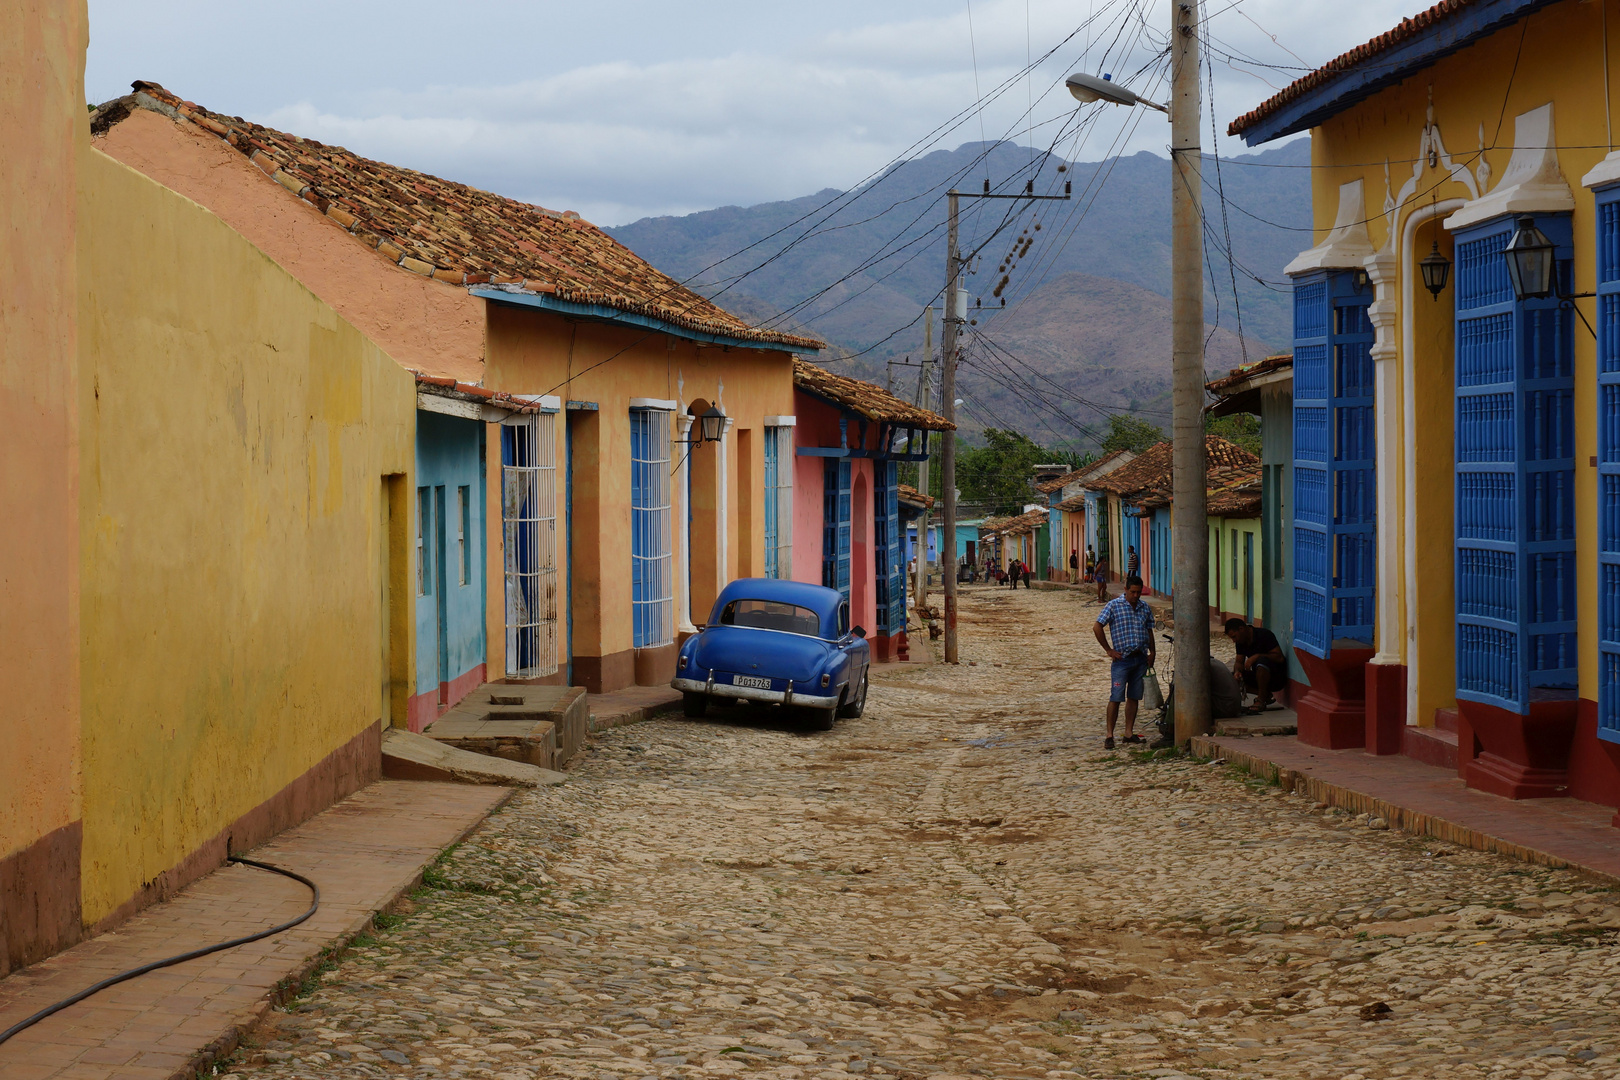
pixel 364 853
pixel 1434 802
pixel 631 705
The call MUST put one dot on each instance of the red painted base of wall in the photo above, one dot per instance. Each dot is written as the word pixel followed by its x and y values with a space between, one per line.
pixel 1333 709
pixel 1521 757
pixel 1386 708
pixel 423 709
pixel 1594 763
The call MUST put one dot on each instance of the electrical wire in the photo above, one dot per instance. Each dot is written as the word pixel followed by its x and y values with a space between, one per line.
pixel 125 976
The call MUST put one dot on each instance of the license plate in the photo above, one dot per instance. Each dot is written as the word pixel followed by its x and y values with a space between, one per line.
pixel 752 681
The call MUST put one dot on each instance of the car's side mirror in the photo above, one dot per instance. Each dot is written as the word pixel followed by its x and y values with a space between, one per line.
pixel 859 631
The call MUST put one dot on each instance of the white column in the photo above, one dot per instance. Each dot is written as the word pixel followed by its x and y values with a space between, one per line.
pixel 1387 410
pixel 722 502
pixel 683 561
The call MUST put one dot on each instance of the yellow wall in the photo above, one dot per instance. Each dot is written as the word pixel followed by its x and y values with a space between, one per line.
pixel 536 352
pixel 43 132
pixel 1226 592
pixel 236 433
pixel 1556 55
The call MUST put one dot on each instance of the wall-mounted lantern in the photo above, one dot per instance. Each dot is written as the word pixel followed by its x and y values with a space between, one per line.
pixel 1435 268
pixel 708 427
pixel 1529 256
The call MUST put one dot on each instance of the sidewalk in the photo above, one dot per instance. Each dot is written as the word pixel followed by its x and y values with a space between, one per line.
pixel 631 705
pixel 365 853
pixel 1433 802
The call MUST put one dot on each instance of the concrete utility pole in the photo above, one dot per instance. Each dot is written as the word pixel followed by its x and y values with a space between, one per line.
pixel 921 589
pixel 1191 534
pixel 947 400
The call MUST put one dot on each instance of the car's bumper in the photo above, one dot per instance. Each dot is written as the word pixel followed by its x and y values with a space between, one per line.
pixel 749 693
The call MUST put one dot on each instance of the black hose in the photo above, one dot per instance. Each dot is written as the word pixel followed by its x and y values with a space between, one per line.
pixel 124 976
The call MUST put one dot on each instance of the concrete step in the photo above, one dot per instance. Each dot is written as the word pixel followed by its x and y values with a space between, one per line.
pixel 1433 746
pixel 539 725
pixel 1446 719
pixel 408 756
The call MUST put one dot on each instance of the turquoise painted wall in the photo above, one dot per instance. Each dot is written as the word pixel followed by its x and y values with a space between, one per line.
pixel 1277 459
pixel 450 577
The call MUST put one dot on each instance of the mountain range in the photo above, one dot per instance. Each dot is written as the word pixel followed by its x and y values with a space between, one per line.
pixel 1068 299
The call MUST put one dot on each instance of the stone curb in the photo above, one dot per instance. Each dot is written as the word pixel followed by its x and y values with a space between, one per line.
pixel 1399 817
pixel 230 1040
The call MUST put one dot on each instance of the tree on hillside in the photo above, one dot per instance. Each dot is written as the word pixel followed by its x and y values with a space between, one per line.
pixel 1240 428
pixel 1126 432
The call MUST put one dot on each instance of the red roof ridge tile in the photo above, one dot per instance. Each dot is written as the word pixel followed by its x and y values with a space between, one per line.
pixel 867 399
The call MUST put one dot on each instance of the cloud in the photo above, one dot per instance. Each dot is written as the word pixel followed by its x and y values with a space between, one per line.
pixel 624 109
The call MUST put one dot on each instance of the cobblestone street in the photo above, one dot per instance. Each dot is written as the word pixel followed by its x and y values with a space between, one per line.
pixel 961 883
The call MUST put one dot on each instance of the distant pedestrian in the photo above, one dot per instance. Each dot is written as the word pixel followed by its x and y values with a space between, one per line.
pixel 1024 567
pixel 1074 566
pixel 1133 564
pixel 1100 576
pixel 1130 622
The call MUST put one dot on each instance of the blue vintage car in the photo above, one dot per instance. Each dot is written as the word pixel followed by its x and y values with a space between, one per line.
pixel 777 642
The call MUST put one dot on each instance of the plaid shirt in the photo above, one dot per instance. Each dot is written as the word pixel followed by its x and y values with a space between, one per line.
pixel 1132 627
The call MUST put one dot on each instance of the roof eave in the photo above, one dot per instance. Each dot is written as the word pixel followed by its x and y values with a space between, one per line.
pixel 629 319
pixel 1359 81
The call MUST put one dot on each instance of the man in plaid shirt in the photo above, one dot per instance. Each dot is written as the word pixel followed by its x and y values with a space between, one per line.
pixel 1131 622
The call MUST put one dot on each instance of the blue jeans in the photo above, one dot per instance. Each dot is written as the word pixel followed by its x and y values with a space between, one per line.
pixel 1126 677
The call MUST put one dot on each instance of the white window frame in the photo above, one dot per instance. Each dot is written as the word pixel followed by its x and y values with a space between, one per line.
pixel 779 432
pixel 529 524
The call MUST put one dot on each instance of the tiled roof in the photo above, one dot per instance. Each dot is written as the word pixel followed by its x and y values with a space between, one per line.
pixel 1151 469
pixel 1407 29
pixel 864 398
pixel 1071 505
pixel 1023 523
pixel 455 233
pixel 1049 486
pixel 447 387
pixel 914 497
pixel 1240 375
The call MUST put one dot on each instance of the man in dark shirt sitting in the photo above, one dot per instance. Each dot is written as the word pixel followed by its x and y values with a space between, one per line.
pixel 1260 663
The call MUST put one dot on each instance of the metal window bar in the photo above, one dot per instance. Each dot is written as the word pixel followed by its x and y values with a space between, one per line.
pixel 652 579
pixel 529 544
pixel 1608 459
pixel 773 568
pixel 782 496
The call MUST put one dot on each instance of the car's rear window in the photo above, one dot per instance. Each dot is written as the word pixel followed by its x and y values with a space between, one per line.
pixel 771 615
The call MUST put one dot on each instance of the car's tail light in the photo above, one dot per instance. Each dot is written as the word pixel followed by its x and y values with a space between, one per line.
pixel 683 659
pixel 826 680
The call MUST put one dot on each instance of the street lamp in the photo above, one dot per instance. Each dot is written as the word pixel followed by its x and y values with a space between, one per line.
pixel 1089 88
pixel 1529 256
pixel 1435 269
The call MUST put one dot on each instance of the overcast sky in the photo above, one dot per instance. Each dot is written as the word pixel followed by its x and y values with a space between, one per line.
pixel 621 109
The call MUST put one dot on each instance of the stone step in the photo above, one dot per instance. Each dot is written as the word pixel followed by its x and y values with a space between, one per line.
pixel 539 725
pixel 1433 746
pixel 408 756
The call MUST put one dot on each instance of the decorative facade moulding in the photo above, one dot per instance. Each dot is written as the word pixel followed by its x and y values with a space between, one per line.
pixel 1532 182
pixel 1604 173
pixel 1348 244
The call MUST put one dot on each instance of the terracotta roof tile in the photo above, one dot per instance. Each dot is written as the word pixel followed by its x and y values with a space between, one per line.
pixel 864 398
pixel 1081 473
pixel 1028 521
pixel 916 498
pixel 1151 470
pixel 448 387
pixel 455 233
pixel 1407 29
pixel 1240 375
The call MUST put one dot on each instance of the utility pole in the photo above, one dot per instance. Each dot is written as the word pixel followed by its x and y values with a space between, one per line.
pixel 921 590
pixel 1191 534
pixel 947 399
pixel 954 317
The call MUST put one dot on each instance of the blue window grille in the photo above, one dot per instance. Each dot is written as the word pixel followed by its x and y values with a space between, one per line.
pixel 835 508
pixel 890 576
pixel 1335 464
pixel 773 568
pixel 652 595
pixel 1515 451
pixel 1608 412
